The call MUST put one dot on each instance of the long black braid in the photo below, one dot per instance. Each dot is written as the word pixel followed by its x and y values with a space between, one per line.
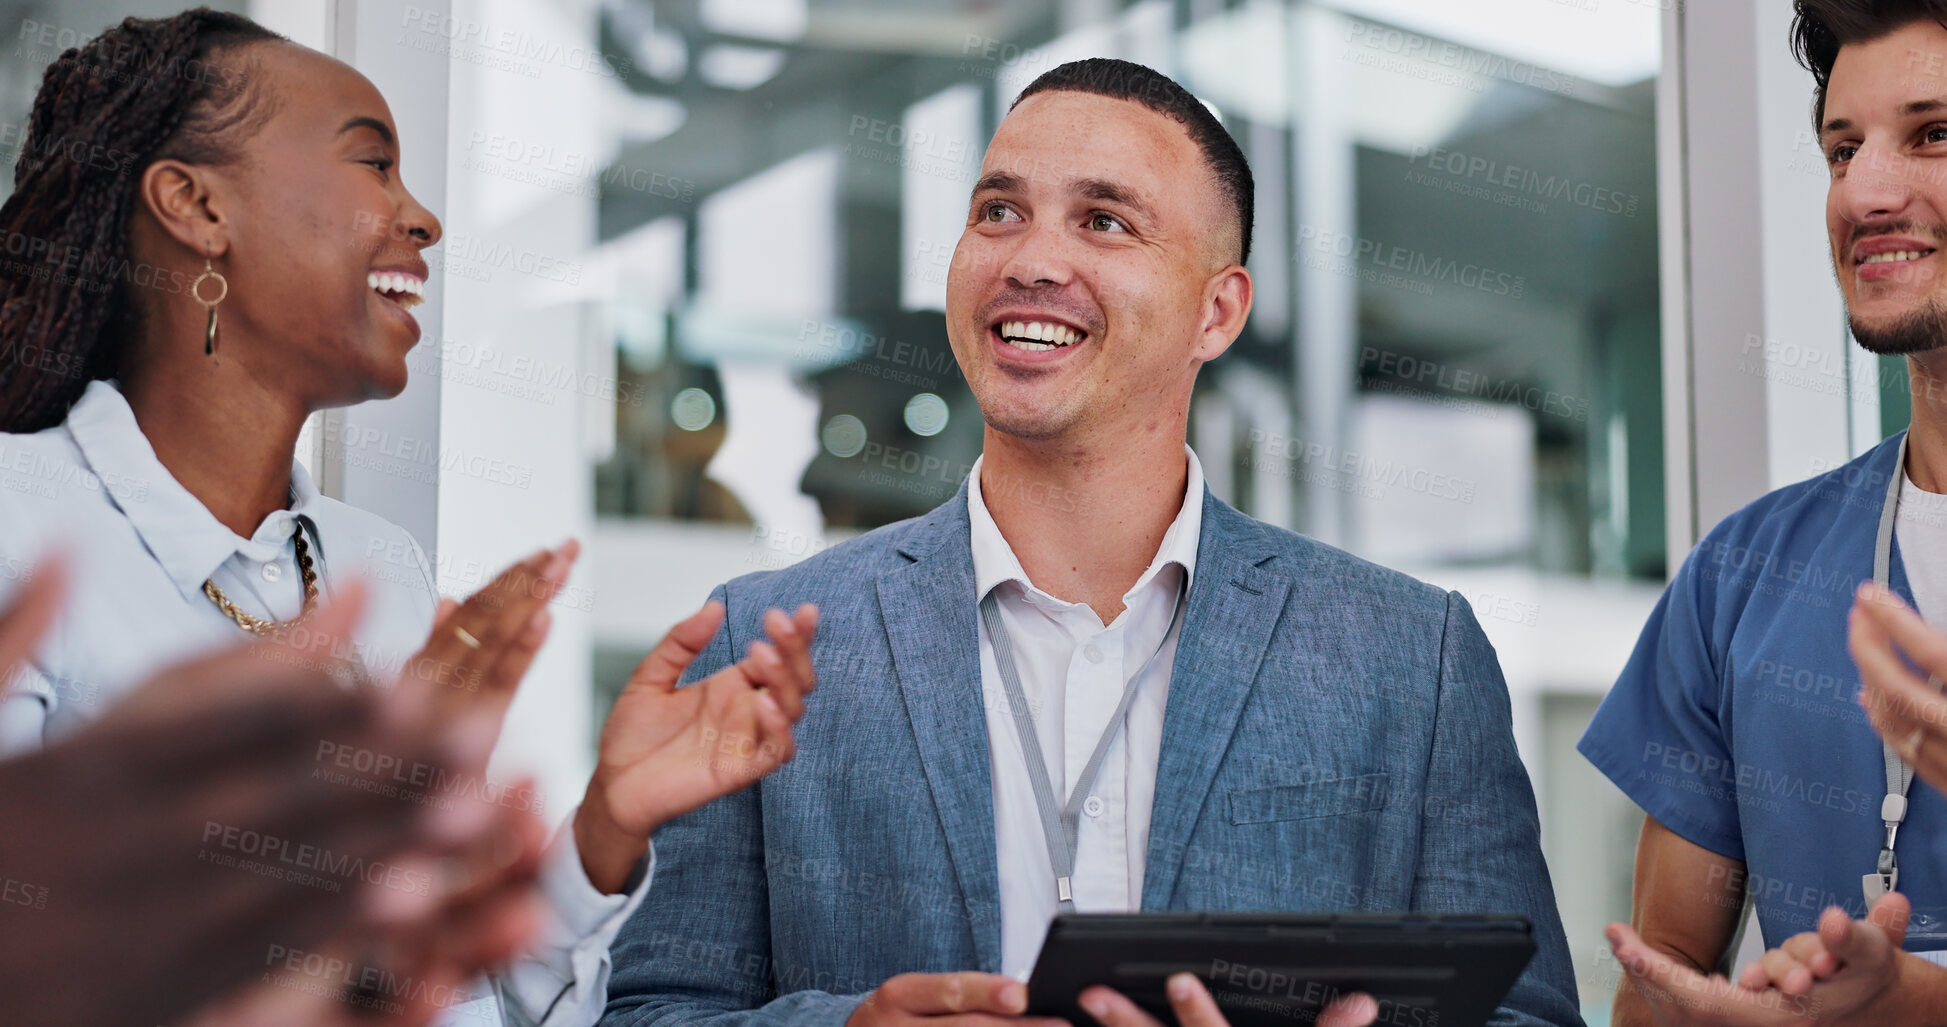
pixel 145 90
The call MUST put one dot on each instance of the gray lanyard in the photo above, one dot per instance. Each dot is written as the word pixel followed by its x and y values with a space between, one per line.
pixel 1899 773
pixel 1061 825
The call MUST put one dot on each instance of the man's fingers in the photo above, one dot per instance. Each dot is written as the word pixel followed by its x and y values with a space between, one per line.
pixel 784 666
pixel 1893 696
pixel 1809 949
pixel 1892 913
pixel 1926 645
pixel 1878 624
pixel 1850 940
pixel 794 648
pixel 1350 1011
pixel 1754 977
pixel 1781 970
pixel 774 741
pixel 967 992
pixel 25 621
pixel 1192 1003
pixel 792 634
pixel 1669 984
pixel 753 734
pixel 767 669
pixel 1111 1008
pixel 1647 967
pixel 665 664
pixel 752 716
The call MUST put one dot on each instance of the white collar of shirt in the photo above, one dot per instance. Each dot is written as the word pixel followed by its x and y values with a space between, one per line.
pixel 994 562
pixel 1072 672
pixel 185 538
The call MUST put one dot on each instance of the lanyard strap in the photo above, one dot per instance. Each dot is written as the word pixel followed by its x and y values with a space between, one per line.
pixel 1061 826
pixel 1899 773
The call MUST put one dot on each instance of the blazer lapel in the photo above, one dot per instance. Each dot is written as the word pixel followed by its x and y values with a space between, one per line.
pixel 928 606
pixel 1234 607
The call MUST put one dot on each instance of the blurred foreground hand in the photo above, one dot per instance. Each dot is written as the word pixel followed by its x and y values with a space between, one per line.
pixel 182 848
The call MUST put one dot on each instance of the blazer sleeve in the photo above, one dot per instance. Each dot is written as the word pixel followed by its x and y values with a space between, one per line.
pixel 698 951
pixel 1480 847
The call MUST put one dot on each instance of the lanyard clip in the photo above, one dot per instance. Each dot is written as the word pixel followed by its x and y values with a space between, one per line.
pixel 1889 864
pixel 1886 875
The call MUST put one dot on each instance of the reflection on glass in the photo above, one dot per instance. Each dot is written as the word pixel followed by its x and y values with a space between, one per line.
pixel 1492 396
pixel 36 35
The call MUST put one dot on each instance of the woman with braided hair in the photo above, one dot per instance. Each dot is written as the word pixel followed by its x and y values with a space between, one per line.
pixel 209 241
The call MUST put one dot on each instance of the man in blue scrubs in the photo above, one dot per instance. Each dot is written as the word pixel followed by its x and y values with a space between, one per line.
pixel 1736 724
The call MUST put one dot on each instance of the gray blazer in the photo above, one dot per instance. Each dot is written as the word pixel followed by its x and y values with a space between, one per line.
pixel 1336 738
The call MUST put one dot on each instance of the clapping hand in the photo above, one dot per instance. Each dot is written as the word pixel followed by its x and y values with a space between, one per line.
pixel 1847 969
pixel 1905 709
pixel 188 828
pixel 1847 972
pixel 666 750
pixel 480 649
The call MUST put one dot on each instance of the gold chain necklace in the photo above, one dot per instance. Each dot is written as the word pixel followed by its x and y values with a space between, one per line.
pixel 260 626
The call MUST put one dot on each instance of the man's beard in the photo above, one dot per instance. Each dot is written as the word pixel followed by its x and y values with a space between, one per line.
pixel 1922 330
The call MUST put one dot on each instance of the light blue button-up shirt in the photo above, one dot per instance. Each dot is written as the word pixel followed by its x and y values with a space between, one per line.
pixel 141 546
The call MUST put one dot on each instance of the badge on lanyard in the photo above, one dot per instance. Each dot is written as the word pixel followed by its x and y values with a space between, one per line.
pixel 1899 773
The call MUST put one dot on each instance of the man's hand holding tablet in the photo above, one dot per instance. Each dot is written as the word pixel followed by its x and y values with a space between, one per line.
pixel 952 998
pixel 978 998
pixel 1194 1007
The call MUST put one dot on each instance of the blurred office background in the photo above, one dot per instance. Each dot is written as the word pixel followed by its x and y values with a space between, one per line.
pixel 688 308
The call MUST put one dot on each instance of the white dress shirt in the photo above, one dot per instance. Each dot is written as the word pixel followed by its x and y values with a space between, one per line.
pixel 1073 670
pixel 140 546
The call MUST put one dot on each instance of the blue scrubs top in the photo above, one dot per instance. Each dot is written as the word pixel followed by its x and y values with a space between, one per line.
pixel 1736 723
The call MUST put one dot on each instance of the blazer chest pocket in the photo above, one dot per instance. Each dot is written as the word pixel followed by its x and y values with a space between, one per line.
pixel 1333 797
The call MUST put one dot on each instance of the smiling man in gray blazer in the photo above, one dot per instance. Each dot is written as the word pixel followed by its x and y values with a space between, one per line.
pixel 1084 682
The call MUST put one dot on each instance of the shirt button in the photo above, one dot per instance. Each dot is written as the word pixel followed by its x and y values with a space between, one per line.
pixel 1092 653
pixel 272 572
pixel 1094 806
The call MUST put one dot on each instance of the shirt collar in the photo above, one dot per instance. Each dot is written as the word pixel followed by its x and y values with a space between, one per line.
pixel 178 530
pixel 994 562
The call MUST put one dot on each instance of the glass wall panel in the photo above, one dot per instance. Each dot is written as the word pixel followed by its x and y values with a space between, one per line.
pixel 37 32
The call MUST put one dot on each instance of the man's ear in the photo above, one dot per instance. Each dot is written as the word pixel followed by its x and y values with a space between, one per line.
pixel 182 198
pixel 1226 306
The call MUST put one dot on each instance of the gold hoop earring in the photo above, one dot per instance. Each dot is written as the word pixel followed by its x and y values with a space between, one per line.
pixel 196 292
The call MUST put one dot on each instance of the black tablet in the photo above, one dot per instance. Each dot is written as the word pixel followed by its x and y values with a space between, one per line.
pixel 1272 968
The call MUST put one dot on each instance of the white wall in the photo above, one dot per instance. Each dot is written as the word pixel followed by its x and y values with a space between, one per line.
pixel 1755 328
pixel 484 457
pixel 382 457
pixel 517 349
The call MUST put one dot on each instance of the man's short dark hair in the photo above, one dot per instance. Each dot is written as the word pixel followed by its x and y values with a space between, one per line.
pixel 1822 27
pixel 1125 80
